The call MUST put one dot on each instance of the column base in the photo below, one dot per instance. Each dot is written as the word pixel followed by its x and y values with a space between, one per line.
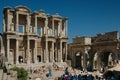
pixel 46 61
pixel 28 62
pixel 36 61
pixel 17 62
pixel 53 61
pixel 61 61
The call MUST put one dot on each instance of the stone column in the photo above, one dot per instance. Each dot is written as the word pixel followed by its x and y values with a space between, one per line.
pixel 8 49
pixel 41 51
pixel 4 25
pixel 28 51
pixel 41 31
pixel 53 52
pixel 66 52
pixel 17 15
pixel 35 54
pixel 61 60
pixel 17 52
pixel 28 23
pixel 46 51
pixel 8 23
pixel 53 26
pixel 46 26
pixel 59 28
pixel 66 28
pixel 35 24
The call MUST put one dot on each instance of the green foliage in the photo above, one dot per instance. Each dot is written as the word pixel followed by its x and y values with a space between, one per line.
pixel 22 74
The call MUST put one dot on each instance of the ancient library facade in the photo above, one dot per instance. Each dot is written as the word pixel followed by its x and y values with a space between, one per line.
pixel 33 37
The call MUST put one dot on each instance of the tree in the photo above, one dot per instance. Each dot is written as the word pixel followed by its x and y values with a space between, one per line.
pixel 22 74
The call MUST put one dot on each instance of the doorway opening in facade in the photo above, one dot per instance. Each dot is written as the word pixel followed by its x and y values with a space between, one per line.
pixel 107 59
pixel 21 59
pixel 63 51
pixel 79 60
pixel 39 58
pixel 12 56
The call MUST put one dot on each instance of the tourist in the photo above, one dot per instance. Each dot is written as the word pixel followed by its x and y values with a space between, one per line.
pixel 66 71
pixel 113 78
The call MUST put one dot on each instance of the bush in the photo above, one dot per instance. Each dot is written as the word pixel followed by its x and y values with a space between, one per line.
pixel 22 74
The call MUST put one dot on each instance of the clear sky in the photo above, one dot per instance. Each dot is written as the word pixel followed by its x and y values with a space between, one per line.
pixel 86 17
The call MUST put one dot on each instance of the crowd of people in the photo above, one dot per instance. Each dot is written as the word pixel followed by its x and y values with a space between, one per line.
pixel 68 76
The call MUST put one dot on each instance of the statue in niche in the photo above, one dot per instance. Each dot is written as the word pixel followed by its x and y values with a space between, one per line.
pixel 110 60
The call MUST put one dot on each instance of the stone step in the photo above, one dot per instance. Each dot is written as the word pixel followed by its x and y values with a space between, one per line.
pixel 11 78
pixel 5 76
pixel 1 74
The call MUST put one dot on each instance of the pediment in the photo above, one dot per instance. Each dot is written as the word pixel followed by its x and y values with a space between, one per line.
pixel 22 8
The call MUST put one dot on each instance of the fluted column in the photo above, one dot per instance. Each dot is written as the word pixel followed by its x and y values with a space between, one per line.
pixel 8 49
pixel 17 52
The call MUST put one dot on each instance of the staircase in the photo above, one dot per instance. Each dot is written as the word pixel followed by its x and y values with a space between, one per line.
pixel 5 76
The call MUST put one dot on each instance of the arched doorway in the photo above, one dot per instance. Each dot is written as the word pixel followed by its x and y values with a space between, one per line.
pixel 107 59
pixel 79 60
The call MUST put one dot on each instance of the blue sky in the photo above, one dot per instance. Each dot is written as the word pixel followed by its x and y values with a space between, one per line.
pixel 86 17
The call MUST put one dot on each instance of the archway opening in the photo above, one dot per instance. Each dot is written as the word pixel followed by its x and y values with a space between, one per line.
pixel 79 60
pixel 107 59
